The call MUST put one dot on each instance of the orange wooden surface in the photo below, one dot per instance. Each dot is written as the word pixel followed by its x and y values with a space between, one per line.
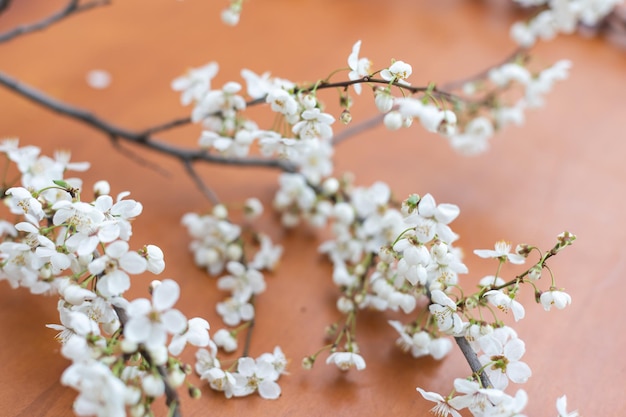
pixel 564 170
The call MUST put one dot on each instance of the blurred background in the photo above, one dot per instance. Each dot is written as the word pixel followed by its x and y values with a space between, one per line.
pixel 563 170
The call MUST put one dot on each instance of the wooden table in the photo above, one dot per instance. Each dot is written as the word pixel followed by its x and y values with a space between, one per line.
pixel 564 170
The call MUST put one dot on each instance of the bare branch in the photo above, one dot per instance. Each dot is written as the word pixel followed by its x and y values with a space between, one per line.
pixel 144 138
pixel 71 8
pixel 208 193
pixel 135 157
pixel 357 129
pixel 4 4
pixel 166 126
pixel 519 52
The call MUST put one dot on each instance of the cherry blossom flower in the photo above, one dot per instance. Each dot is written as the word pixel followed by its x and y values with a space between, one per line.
pixel 444 311
pixel 505 302
pixel 259 86
pixel 442 408
pixel 206 359
pixel 502 353
pixel 197 334
pixel 277 360
pixel 254 376
pixel 359 67
pixel 268 254
pixel 150 322
pixel 315 125
pixel 282 101
pixel 556 298
pixel 477 399
pixel 502 252
pixel 346 360
pixel 196 83
pixel 399 71
pixel 114 267
pixel 432 220
pixel 420 343
pixel 475 138
pixel 225 339
pixel 561 408
pixel 221 380
pixel 243 282
pixel 22 202
pixel 234 310
pixel 154 257
pixel 100 392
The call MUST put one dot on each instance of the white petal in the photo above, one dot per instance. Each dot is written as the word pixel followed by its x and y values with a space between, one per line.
pixel 133 263
pixel 246 366
pixel 174 321
pixel 514 349
pixel 269 390
pixel 114 283
pixel 518 372
pixel 117 249
pixel 165 295
pixel 137 329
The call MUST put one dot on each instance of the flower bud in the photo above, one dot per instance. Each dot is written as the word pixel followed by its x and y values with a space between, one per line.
pixel 253 208
pixel 101 188
pixel 393 120
pixel 220 211
pixel 345 117
pixel 535 273
pixel 194 392
pixel 307 363
pixel 383 100
pixel 153 386
pixel 330 186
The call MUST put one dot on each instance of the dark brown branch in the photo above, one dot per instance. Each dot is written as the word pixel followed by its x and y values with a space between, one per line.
pixel 208 193
pixel 143 138
pixel 472 360
pixel 4 4
pixel 343 84
pixel 71 8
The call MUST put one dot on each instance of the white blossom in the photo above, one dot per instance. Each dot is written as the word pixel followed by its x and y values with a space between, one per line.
pixel 151 322
pixel 346 360
pixel 556 298
pixel 359 67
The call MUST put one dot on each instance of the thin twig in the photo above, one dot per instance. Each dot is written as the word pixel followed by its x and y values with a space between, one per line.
pixel 454 85
pixel 208 192
pixel 248 341
pixel 138 159
pixel 71 8
pixel 142 138
pixel 4 4
pixel 166 126
pixel 472 360
pixel 356 129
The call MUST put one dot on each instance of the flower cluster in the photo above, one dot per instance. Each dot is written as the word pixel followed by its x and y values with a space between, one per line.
pixel 252 375
pixel 220 246
pixel 120 350
pixel 559 16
